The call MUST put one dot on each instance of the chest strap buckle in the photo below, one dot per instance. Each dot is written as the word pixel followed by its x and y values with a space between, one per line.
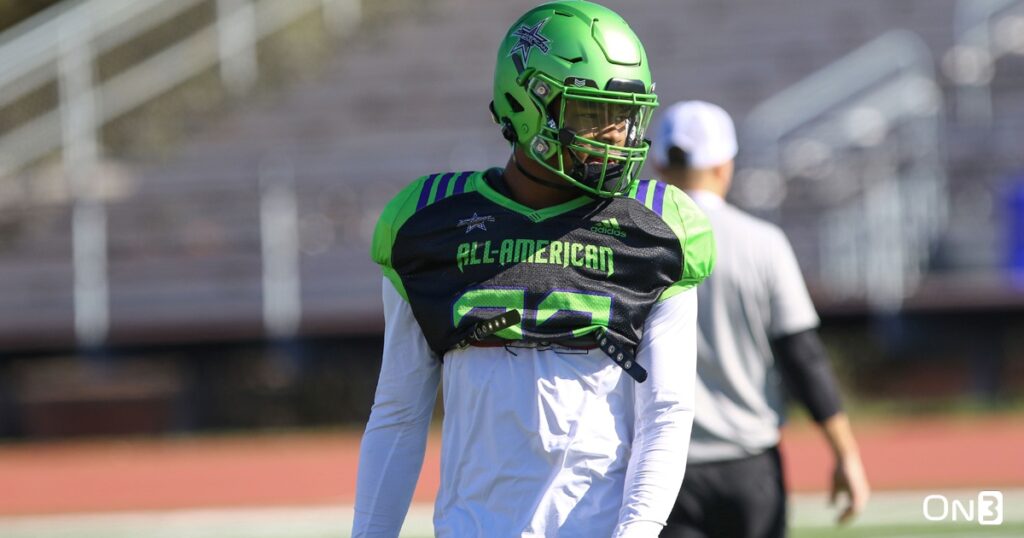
pixel 621 354
pixel 487 327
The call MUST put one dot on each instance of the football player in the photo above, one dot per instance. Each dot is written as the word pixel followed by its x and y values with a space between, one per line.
pixel 554 298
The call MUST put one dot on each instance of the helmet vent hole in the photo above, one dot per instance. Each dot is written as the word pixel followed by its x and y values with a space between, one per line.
pixel 512 102
pixel 575 60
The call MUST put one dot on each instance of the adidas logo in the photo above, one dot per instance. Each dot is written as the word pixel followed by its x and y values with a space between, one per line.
pixel 608 227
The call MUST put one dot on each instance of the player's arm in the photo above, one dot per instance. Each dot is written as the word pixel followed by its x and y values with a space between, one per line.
pixel 393 445
pixel 664 416
pixel 664 404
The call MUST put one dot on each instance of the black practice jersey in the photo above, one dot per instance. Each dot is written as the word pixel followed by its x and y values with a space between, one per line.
pixel 460 253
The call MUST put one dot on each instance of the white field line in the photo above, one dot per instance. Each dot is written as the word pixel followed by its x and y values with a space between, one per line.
pixel 808 510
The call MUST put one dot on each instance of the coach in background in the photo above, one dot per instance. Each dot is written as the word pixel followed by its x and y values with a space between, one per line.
pixel 757 339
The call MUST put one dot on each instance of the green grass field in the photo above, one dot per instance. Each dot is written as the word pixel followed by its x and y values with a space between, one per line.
pixel 889 515
pixel 922 530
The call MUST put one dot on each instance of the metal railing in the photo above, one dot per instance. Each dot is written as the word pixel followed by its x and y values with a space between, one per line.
pixel 62 46
pixel 984 31
pixel 65 43
pixel 864 133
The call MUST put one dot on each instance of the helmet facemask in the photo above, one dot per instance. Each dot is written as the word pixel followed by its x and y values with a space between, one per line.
pixel 578 139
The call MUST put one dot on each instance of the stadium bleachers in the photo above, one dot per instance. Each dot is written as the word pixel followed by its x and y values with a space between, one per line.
pixel 407 95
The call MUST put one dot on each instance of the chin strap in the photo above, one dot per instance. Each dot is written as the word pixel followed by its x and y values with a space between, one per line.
pixel 561 185
pixel 591 172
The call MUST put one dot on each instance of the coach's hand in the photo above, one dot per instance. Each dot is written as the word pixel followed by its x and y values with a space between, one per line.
pixel 849 478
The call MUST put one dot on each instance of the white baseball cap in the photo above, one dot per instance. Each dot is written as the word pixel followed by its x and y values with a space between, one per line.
pixel 701 129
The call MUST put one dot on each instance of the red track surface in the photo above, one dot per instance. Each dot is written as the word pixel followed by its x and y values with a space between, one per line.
pixel 297 469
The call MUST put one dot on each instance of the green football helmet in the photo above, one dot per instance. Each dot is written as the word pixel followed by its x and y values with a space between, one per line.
pixel 566 72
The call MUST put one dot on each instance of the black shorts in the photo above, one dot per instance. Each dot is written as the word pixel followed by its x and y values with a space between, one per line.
pixel 744 498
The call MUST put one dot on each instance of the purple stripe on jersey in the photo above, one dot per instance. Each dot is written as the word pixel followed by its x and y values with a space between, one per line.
pixel 442 187
pixel 659 197
pixel 460 182
pixel 425 192
pixel 641 191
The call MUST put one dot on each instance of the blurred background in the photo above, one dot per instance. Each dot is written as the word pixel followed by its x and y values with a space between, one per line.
pixel 188 189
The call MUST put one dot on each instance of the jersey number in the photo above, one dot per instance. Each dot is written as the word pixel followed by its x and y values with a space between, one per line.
pixel 597 306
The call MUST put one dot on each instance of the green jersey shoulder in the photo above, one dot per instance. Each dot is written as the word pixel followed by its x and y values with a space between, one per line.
pixel 424 191
pixel 688 223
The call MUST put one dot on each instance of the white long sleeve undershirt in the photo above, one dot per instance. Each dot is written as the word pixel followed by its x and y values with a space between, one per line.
pixel 664 416
pixel 562 416
pixel 391 453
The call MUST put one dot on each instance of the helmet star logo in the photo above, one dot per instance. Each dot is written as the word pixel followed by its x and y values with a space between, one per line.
pixel 529 37
pixel 476 222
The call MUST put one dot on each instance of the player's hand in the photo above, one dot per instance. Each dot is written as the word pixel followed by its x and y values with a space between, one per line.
pixel 849 479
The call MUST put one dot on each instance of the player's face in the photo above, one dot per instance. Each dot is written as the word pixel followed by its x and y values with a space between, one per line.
pixel 609 123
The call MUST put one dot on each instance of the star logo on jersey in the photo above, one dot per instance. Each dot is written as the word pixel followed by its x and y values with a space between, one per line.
pixel 476 222
pixel 529 37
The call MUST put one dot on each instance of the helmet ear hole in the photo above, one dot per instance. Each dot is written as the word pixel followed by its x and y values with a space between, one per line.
pixel 508 131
